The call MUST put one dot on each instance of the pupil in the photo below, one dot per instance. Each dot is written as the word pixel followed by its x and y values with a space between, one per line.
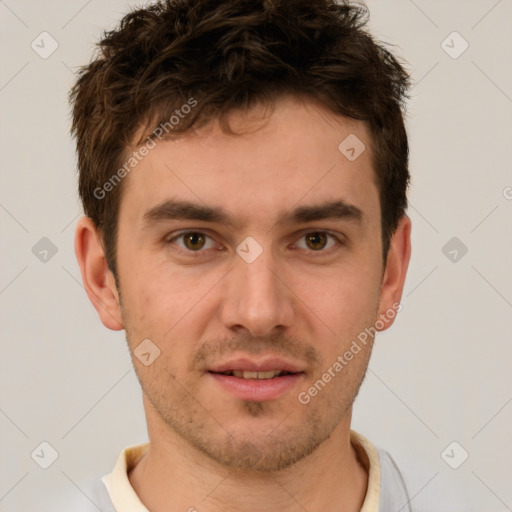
pixel 316 238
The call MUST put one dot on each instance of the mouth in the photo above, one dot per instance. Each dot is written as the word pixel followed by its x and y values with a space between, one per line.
pixel 265 375
pixel 256 381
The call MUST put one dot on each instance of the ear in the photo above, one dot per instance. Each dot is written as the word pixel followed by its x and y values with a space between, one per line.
pixel 98 280
pixel 393 281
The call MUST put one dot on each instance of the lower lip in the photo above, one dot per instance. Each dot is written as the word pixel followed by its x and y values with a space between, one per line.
pixel 257 390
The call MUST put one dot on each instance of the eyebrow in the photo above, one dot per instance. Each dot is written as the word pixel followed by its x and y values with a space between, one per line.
pixel 174 209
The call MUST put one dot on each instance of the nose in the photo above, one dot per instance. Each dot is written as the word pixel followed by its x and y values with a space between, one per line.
pixel 257 297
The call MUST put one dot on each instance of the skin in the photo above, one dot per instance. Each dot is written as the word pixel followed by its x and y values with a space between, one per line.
pixel 301 301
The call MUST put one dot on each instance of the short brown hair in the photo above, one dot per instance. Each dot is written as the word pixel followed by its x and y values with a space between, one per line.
pixel 229 55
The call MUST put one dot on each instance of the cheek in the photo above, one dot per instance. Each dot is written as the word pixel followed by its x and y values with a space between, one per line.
pixel 167 304
pixel 146 313
pixel 343 296
pixel 343 312
pixel 348 319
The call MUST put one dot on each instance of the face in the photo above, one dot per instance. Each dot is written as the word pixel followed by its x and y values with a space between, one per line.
pixel 240 256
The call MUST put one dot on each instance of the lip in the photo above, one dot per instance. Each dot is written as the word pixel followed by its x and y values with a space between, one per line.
pixel 257 390
pixel 263 365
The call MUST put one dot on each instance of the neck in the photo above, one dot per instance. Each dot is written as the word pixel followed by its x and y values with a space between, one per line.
pixel 173 476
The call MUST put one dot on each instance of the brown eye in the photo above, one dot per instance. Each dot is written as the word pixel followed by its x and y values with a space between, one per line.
pixel 316 241
pixel 194 241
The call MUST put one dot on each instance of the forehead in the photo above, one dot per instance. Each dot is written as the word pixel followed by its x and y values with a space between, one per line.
pixel 294 154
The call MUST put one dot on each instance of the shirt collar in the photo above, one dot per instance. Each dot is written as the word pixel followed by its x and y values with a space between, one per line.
pixel 124 497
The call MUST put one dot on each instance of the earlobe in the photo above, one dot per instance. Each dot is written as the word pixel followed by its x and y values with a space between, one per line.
pixel 96 276
pixel 393 281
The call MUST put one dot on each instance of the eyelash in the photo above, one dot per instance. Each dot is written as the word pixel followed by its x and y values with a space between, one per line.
pixel 197 253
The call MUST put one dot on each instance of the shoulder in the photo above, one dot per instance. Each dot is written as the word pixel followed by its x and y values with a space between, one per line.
pixel 394 494
pixel 81 496
pixel 428 486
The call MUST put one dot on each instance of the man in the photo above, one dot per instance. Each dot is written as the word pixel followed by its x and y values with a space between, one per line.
pixel 243 171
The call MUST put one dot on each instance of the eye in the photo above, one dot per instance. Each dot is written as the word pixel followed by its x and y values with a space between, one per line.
pixel 193 241
pixel 318 241
pixel 197 241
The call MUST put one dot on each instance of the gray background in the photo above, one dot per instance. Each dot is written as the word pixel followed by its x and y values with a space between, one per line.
pixel 441 374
